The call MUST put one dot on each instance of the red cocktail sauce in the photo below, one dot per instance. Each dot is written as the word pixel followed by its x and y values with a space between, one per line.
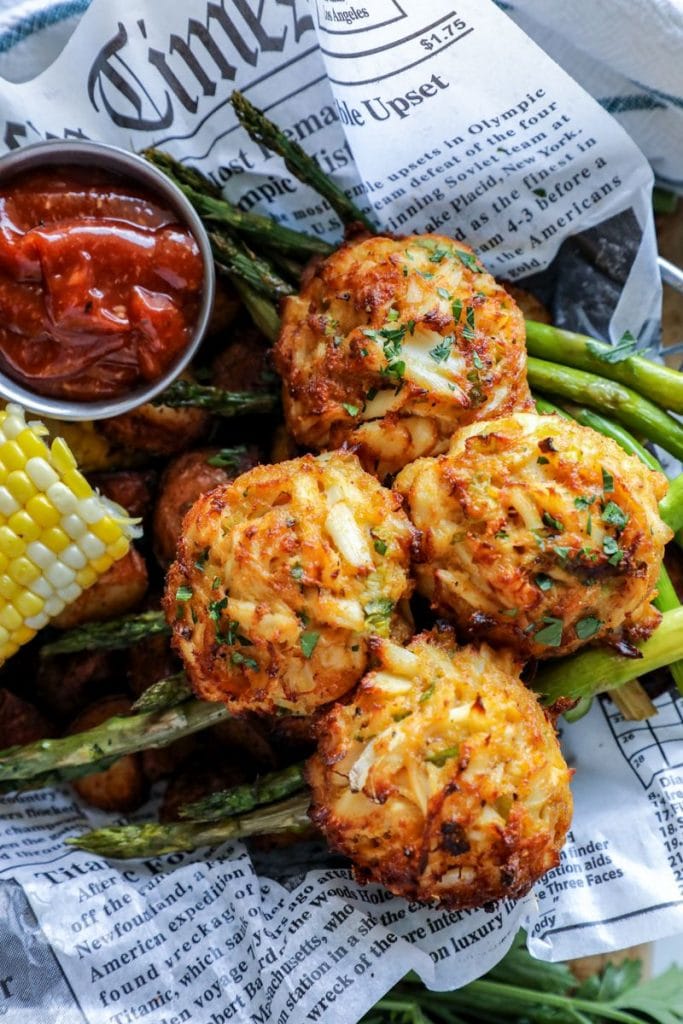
pixel 100 285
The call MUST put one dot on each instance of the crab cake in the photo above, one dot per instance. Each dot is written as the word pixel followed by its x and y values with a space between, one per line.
pixel 394 343
pixel 281 578
pixel 442 778
pixel 538 534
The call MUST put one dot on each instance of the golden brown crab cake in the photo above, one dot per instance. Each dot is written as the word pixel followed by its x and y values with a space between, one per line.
pixel 394 343
pixel 442 778
pixel 281 578
pixel 538 534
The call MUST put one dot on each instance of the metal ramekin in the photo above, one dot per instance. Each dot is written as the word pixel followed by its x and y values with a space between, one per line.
pixel 134 168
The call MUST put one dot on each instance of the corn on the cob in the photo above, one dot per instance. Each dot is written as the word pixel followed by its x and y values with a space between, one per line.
pixel 57 535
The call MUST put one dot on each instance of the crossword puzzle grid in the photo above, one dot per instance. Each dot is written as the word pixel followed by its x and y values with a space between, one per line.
pixel 654 745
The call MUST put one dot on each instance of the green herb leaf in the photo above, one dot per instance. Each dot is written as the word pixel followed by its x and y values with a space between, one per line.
pixel 297 572
pixel 585 501
pixel 625 347
pixel 588 627
pixel 308 642
pixel 439 757
pixel 380 547
pixel 352 410
pixel 542 581
pixel 216 608
pixel 611 548
pixel 542 460
pixel 614 515
pixel 442 293
pixel 469 260
pixel 456 309
pixel 607 481
pixel 183 593
pixel 442 350
pixel 240 659
pixel 228 458
pixel 427 693
pixel 552 523
pixel 476 359
pixel 551 634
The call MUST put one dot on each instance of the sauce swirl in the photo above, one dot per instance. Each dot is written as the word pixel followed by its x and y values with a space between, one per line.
pixel 100 285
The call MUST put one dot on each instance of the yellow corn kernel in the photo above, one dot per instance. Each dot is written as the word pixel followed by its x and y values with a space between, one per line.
pixel 30 445
pixel 13 456
pixel 7 650
pixel 100 565
pixel 106 530
pixel 77 483
pixel 62 458
pixel 24 527
pixel 119 548
pixel 10 544
pixel 4 562
pixel 28 604
pixel 86 577
pixel 43 511
pixel 9 587
pixel 20 487
pixel 10 617
pixel 22 635
pixel 23 571
pixel 55 539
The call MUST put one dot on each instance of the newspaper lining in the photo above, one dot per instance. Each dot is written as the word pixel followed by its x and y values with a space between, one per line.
pixel 402 108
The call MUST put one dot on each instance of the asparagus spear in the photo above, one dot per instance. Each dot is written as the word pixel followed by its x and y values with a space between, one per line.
pixel 671 505
pixel 659 383
pixel 609 428
pixel 265 790
pixel 46 780
pixel 183 393
pixel 261 310
pixel 108 636
pixel 297 160
pixel 165 693
pixel 636 412
pixel 209 204
pixel 152 840
pixel 236 259
pixel 597 669
pixel 121 734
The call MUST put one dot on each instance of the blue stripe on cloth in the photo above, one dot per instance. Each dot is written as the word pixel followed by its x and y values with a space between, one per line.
pixel 25 26
pixel 621 104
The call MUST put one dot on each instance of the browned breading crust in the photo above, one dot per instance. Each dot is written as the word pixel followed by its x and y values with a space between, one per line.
pixel 394 343
pixel 157 429
pixel 281 577
pixel 538 534
pixel 442 778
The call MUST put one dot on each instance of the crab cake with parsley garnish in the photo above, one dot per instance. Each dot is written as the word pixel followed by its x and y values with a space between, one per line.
pixel 281 579
pixel 538 534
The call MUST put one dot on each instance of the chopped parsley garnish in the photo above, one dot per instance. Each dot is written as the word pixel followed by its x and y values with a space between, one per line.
pixel 378 611
pixel 510 612
pixel 439 757
pixel 476 359
pixel 427 693
pixel 552 523
pixel 551 634
pixel 426 274
pixel 588 627
pixel 456 309
pixel 614 515
pixel 441 352
pixel 438 255
pixel 215 583
pixel 589 524
pixel 561 552
pixel 202 559
pixel 443 293
pixel 391 339
pixel 297 572
pixel 372 393
pixel 468 330
pixel 542 460
pixel 585 501
pixel 238 658
pixel 352 410
pixel 392 314
pixel 612 549
pixel 216 608
pixel 227 458
pixel 500 535
pixel 380 547
pixel 308 642
pixel 625 347
pixel 183 593
pixel 400 715
pixel 607 481
pixel 542 581
pixel 469 260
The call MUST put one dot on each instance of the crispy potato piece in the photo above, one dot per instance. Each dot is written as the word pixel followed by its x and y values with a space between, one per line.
pixel 157 429
pixel 200 776
pixel 531 307
pixel 67 683
pixel 160 762
pixel 226 307
pixel 149 661
pixel 123 787
pixel 442 778
pixel 186 478
pixel 119 590
pixel 281 578
pixel 131 489
pixel 244 364
pixel 393 344
pixel 538 534
pixel 21 722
